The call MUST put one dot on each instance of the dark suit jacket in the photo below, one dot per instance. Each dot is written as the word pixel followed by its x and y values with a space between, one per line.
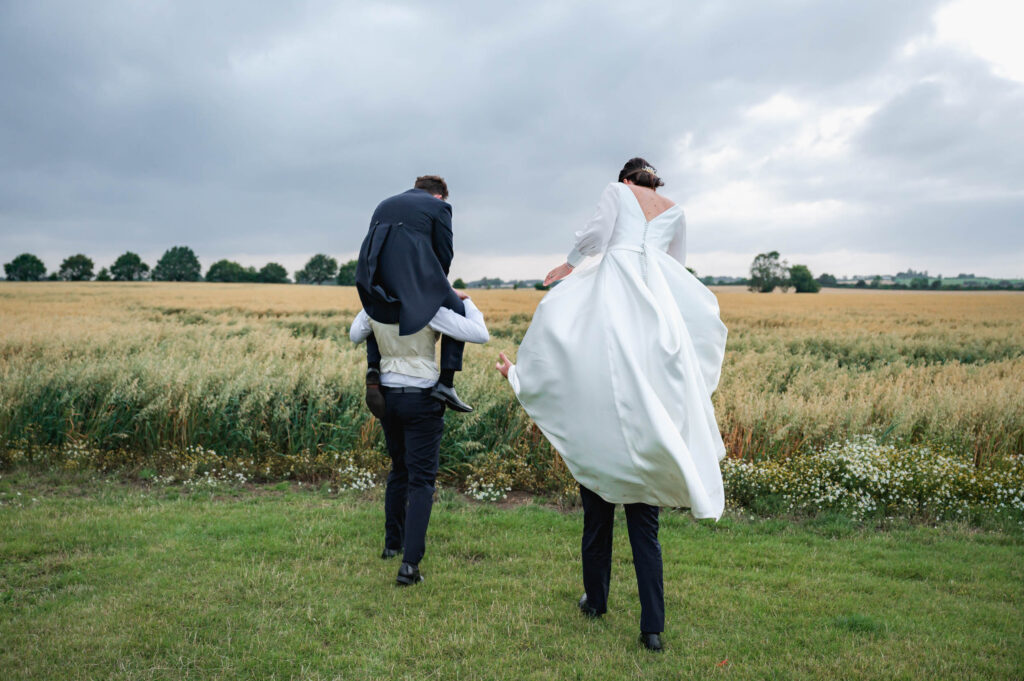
pixel 402 271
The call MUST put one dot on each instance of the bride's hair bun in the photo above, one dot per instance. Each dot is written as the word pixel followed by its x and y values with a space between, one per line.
pixel 640 172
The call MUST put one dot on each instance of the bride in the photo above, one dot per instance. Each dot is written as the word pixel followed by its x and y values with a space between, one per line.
pixel 617 370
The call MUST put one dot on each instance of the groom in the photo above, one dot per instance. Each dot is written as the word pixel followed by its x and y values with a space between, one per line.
pixel 413 422
pixel 402 278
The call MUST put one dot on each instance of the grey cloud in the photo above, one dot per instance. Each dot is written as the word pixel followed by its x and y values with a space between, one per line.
pixel 961 124
pixel 277 128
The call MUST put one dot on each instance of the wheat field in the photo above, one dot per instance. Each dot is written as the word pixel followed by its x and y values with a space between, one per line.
pixel 259 370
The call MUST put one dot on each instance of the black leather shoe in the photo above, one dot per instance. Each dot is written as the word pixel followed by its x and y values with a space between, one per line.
pixel 651 641
pixel 448 396
pixel 389 553
pixel 408 575
pixel 587 609
pixel 374 396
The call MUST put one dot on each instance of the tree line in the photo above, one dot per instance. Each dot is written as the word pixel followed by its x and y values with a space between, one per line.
pixel 179 263
pixel 769 272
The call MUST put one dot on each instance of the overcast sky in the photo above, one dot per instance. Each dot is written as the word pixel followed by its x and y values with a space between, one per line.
pixel 855 137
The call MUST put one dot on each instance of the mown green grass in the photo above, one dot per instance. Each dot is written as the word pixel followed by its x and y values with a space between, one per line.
pixel 105 580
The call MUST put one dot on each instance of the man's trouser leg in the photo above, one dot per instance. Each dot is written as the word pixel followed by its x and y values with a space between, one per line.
pixel 372 353
pixel 451 349
pixel 395 494
pixel 422 423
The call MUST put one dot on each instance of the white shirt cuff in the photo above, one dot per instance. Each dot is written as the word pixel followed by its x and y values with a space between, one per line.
pixel 575 257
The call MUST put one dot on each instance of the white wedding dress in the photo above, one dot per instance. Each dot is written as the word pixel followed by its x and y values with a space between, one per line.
pixel 620 360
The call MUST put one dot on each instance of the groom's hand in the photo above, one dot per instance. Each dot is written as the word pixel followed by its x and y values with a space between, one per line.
pixel 461 294
pixel 557 274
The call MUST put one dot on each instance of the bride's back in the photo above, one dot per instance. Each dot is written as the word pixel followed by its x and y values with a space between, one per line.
pixel 645 219
pixel 651 202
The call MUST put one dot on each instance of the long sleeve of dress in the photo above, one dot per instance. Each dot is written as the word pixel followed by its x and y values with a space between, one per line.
pixel 677 247
pixel 593 238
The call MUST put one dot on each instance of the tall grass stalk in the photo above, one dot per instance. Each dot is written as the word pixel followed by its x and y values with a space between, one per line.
pixel 260 369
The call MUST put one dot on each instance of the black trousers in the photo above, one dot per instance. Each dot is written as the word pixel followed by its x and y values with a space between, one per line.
pixel 413 424
pixel 642 523
pixel 451 349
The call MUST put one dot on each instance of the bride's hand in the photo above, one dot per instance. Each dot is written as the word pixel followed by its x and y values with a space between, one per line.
pixel 503 364
pixel 557 274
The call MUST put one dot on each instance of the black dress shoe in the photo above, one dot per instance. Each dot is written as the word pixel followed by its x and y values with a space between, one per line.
pixel 389 553
pixel 587 609
pixel 374 396
pixel 651 641
pixel 408 575
pixel 448 396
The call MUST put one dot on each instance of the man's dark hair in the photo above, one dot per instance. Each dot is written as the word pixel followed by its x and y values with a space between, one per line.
pixel 434 184
pixel 640 172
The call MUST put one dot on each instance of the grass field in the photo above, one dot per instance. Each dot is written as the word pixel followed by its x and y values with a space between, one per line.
pixel 101 580
pixel 261 369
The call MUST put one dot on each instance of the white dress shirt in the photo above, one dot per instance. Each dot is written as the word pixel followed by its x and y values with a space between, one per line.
pixel 469 329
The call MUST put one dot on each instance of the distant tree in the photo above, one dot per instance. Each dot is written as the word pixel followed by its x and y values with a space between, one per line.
pixel 273 273
pixel 53 276
pixel 827 280
pixel 937 284
pixel 129 267
pixel 491 283
pixel 691 271
pixel 802 279
pixel 319 269
pixel 103 275
pixel 540 286
pixel 459 284
pixel 25 267
pixel 861 284
pixel 919 282
pixel 230 271
pixel 768 272
pixel 876 282
pixel 347 274
pixel 76 267
pixel 178 264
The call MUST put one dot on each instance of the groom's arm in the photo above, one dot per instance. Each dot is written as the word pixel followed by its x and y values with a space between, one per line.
pixel 469 329
pixel 443 242
pixel 360 329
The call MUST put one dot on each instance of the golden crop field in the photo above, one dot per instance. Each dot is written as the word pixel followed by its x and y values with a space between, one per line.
pixel 249 369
